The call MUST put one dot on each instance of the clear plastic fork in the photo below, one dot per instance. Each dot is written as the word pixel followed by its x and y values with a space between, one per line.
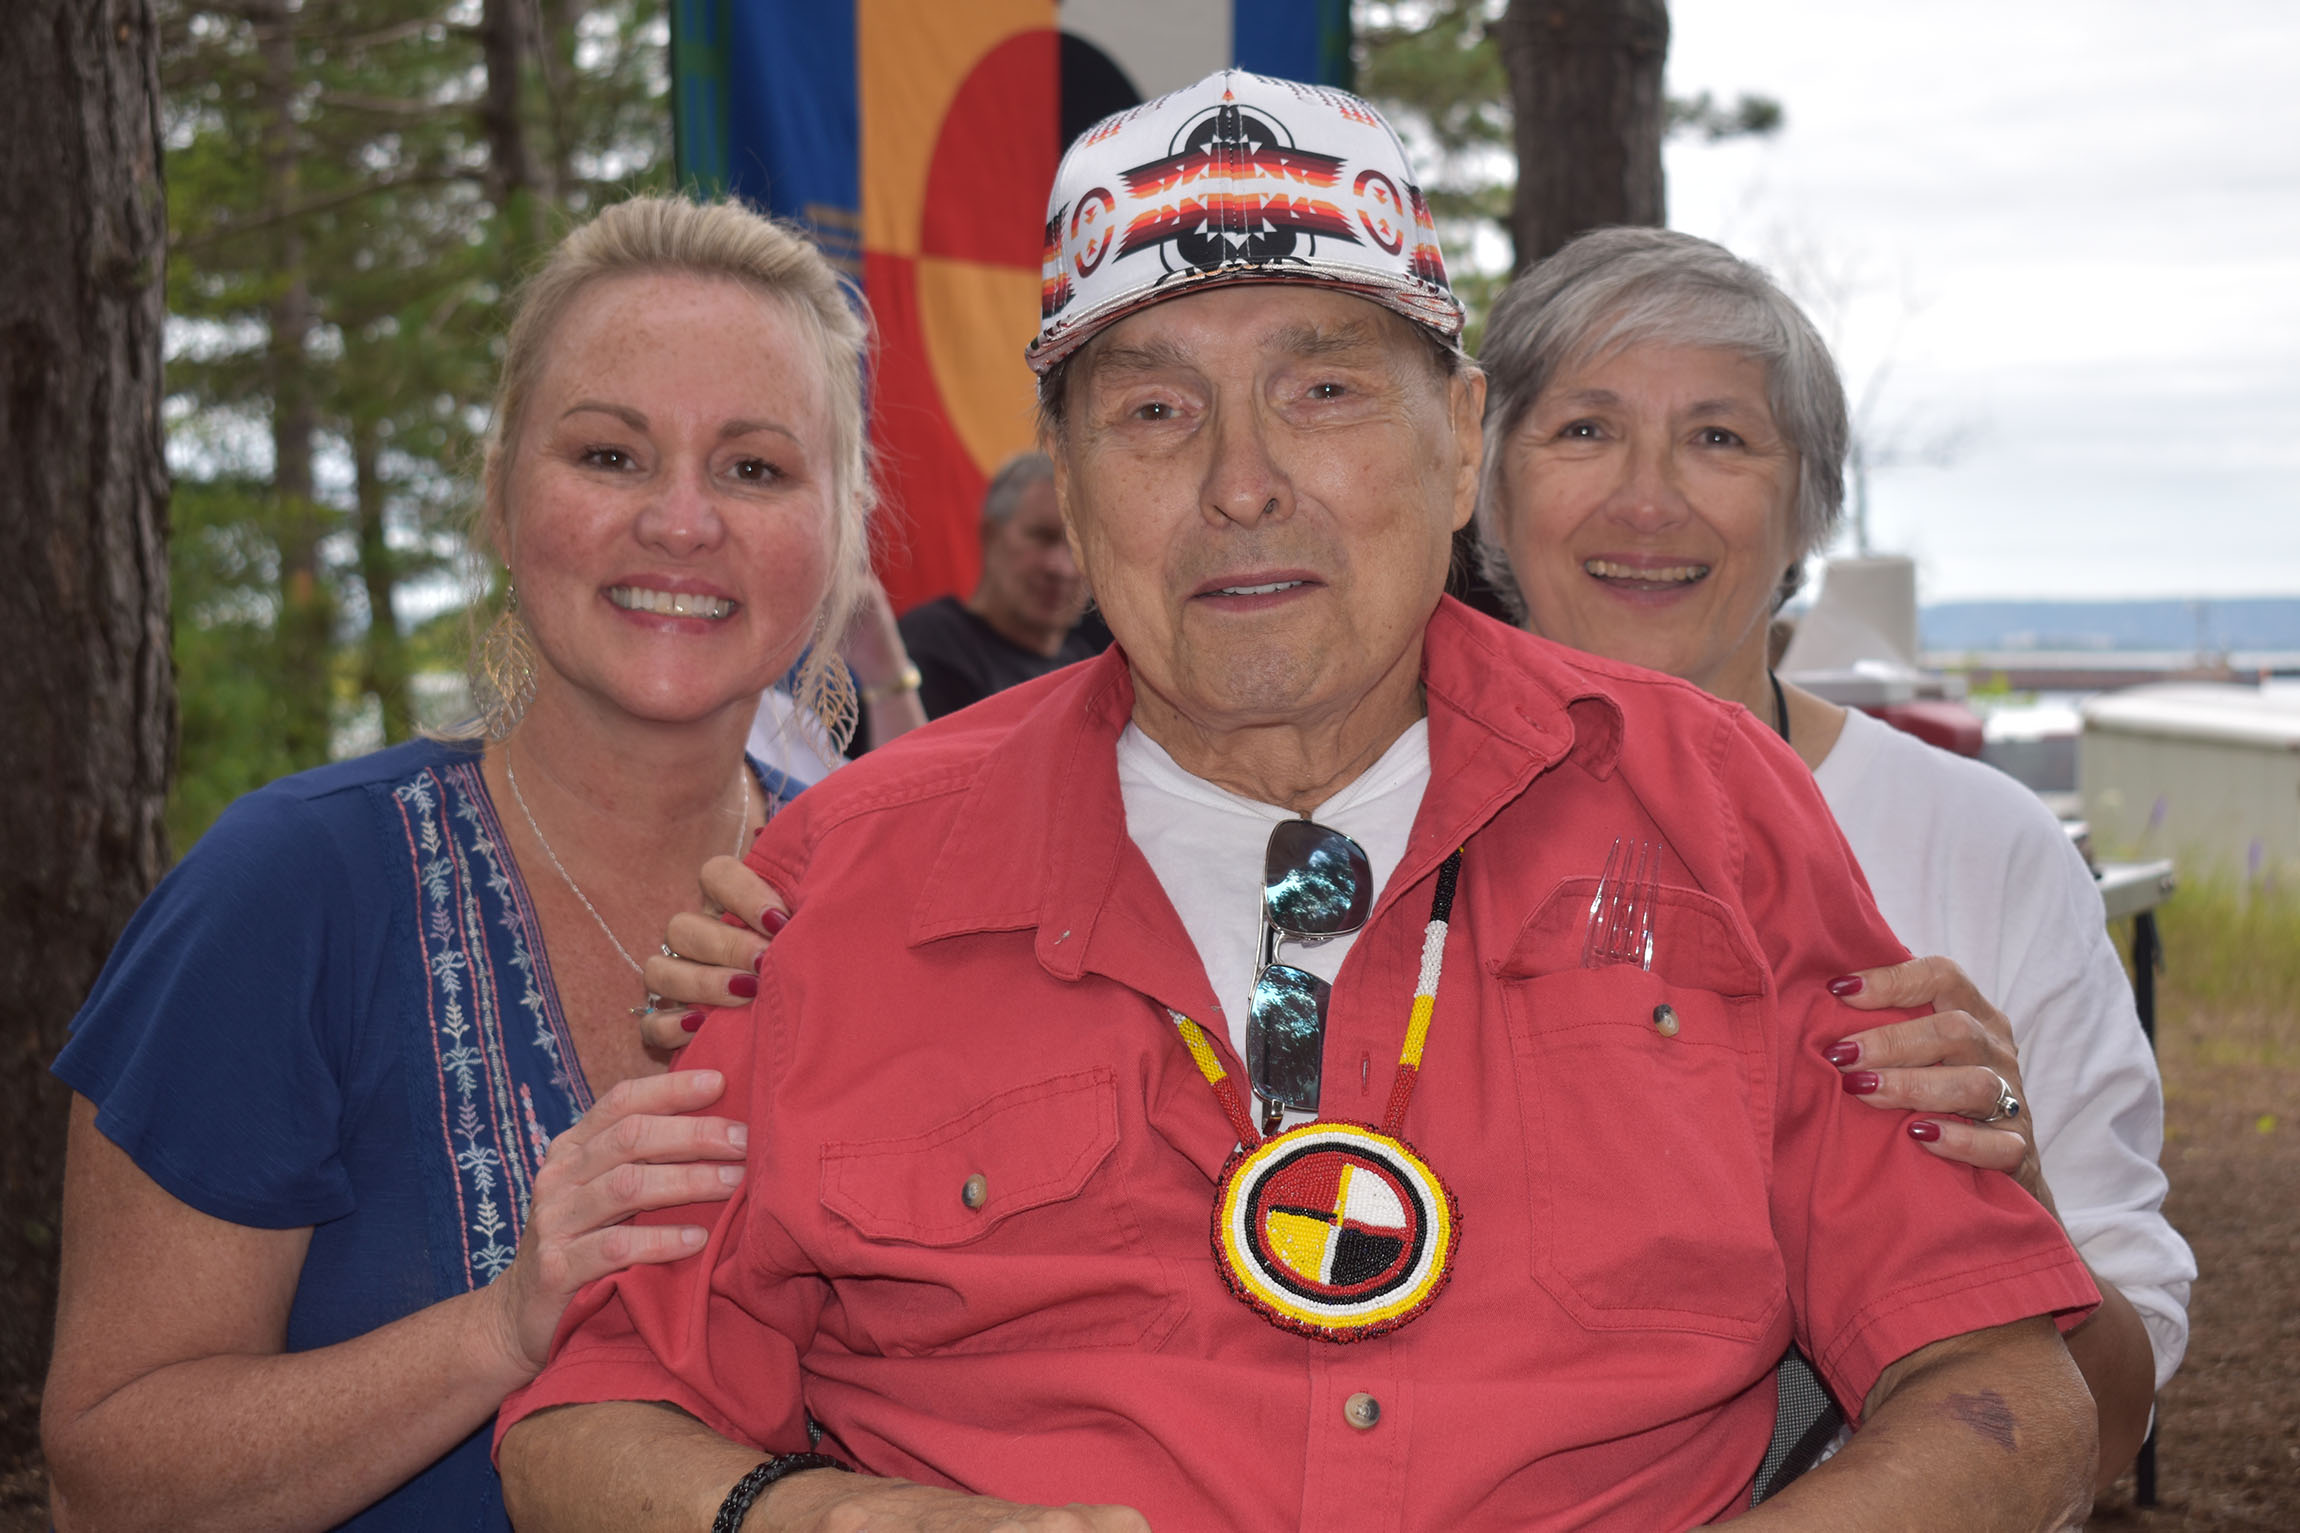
pixel 1621 912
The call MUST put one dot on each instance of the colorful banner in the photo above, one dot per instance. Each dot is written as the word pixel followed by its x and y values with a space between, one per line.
pixel 918 140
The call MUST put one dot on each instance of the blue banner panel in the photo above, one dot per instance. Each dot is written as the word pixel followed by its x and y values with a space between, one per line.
pixel 1294 39
pixel 793 122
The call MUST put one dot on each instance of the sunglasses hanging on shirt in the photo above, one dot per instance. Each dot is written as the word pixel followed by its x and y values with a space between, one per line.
pixel 1316 884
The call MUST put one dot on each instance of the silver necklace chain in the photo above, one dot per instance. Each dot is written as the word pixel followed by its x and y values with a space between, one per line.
pixel 512 777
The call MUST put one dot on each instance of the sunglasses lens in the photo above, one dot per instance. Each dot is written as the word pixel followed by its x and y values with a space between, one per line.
pixel 1316 881
pixel 1286 1036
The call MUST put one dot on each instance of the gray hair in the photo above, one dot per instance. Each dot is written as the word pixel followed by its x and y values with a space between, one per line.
pixel 1612 289
pixel 1014 479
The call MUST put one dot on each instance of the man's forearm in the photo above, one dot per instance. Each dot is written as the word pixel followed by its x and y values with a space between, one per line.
pixel 1993 1430
pixel 619 1467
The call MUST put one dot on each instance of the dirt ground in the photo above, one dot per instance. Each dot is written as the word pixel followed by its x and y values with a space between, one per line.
pixel 2228 1433
pixel 2228 1425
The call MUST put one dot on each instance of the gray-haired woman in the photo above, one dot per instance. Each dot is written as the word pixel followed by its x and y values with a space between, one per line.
pixel 1665 440
pixel 359 1103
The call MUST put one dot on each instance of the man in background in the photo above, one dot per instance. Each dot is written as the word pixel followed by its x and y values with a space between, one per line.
pixel 1023 619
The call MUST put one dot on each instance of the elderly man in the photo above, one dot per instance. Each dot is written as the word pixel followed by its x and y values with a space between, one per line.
pixel 1023 618
pixel 1097 1091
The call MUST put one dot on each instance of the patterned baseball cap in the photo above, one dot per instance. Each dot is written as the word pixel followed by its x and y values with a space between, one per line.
pixel 1238 178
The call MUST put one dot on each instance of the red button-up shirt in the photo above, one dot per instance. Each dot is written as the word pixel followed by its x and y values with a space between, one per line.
pixel 975 984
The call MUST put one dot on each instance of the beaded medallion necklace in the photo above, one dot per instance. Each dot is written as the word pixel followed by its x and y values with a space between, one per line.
pixel 1337 1230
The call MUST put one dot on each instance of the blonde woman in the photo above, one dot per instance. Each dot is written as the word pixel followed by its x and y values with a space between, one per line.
pixel 358 1102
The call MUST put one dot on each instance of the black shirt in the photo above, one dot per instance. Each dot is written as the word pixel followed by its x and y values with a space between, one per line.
pixel 961 659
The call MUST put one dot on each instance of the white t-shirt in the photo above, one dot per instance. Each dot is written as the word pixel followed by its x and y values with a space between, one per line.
pixel 1205 843
pixel 1966 862
pixel 789 739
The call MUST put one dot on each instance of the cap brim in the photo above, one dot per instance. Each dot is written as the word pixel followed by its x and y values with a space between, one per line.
pixel 1437 311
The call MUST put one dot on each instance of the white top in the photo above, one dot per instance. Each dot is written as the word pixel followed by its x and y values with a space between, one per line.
pixel 1968 863
pixel 1205 843
pixel 788 738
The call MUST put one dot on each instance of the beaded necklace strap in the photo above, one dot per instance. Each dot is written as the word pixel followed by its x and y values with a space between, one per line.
pixel 1417 1024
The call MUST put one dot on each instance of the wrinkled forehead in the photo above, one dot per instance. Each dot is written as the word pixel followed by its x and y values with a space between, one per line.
pixel 1243 330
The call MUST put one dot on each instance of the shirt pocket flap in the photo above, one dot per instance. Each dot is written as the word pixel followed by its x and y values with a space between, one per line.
pixel 1019 1150
pixel 1694 944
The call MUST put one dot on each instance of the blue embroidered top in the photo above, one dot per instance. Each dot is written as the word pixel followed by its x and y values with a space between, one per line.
pixel 336 1011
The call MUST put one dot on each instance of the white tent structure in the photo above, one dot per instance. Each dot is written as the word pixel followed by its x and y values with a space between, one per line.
pixel 2209 772
pixel 1857 644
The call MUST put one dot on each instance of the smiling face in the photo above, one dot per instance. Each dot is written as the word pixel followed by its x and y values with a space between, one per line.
pixel 1262 483
pixel 1646 505
pixel 667 514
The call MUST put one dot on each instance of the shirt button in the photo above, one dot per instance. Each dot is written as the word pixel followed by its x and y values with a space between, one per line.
pixel 1665 1020
pixel 1362 1411
pixel 976 1191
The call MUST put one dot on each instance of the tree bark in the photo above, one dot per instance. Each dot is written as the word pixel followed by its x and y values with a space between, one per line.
pixel 1587 104
pixel 305 625
pixel 557 51
pixel 386 653
pixel 87 691
pixel 516 175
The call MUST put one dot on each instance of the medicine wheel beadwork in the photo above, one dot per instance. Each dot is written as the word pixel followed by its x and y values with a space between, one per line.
pixel 1334 1230
pixel 1337 1230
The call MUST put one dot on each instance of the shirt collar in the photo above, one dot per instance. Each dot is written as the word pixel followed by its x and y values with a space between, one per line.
pixel 1039 839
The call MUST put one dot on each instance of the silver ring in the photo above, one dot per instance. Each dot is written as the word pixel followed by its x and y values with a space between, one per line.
pixel 2008 1105
pixel 671 952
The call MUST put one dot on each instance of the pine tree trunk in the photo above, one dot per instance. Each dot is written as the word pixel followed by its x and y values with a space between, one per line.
pixel 517 179
pixel 1586 97
pixel 386 656
pixel 87 691
pixel 557 51
pixel 305 626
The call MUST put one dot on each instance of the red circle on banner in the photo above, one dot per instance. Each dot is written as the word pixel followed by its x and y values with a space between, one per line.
pixel 994 157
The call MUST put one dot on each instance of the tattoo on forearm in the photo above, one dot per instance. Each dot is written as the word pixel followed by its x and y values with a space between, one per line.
pixel 1987 1415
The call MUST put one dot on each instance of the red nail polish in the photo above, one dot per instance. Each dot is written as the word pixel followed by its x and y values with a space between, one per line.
pixel 744 985
pixel 1861 1083
pixel 1845 984
pixel 1924 1130
pixel 772 921
pixel 692 1021
pixel 1842 1054
pixel 759 962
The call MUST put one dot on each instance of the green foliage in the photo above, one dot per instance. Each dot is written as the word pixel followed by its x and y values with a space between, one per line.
pixel 223 570
pixel 346 224
pixel 1993 687
pixel 2232 970
pixel 1749 117
pixel 1438 62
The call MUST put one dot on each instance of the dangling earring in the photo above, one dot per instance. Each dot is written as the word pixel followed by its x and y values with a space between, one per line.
pixel 503 670
pixel 826 689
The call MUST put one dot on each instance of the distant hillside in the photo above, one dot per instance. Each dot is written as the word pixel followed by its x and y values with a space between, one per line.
pixel 2268 622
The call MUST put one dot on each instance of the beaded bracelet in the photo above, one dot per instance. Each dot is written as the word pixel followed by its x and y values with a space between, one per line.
pixel 750 1487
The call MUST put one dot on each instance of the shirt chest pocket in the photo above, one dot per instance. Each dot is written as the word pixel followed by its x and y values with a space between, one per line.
pixel 1647 1124
pixel 1002 1229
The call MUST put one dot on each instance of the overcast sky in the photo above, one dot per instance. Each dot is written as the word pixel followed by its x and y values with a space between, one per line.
pixel 2071 233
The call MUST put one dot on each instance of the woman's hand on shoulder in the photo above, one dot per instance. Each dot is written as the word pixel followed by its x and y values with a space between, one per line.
pixel 631 1152
pixel 715 953
pixel 1946 1066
